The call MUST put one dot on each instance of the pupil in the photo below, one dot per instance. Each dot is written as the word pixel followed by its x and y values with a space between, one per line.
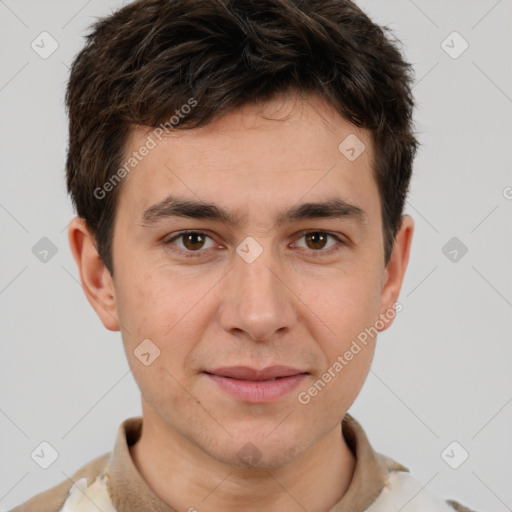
pixel 316 238
pixel 191 241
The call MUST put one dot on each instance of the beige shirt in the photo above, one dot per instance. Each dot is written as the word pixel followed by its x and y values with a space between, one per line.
pixel 112 483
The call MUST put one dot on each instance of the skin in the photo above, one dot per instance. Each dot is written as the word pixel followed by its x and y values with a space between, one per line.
pixel 294 305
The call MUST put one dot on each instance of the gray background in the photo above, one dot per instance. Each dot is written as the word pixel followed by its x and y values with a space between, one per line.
pixel 441 373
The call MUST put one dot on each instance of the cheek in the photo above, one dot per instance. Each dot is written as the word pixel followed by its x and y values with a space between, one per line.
pixel 150 303
pixel 169 311
pixel 347 309
pixel 346 304
pixel 152 310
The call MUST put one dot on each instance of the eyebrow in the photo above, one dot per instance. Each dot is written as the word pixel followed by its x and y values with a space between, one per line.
pixel 173 206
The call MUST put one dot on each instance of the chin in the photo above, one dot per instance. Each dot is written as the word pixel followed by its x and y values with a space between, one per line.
pixel 258 451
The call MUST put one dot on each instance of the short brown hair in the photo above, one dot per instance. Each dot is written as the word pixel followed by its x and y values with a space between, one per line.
pixel 146 60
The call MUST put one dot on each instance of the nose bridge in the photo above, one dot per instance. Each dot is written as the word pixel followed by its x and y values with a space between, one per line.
pixel 259 303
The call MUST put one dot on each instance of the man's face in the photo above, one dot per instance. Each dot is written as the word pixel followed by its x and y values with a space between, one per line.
pixel 207 302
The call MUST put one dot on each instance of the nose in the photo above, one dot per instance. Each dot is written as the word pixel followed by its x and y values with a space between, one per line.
pixel 257 300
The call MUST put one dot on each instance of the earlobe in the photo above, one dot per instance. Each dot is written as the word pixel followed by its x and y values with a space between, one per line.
pixel 94 276
pixel 396 267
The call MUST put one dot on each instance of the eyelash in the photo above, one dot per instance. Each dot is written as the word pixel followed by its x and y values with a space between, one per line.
pixel 195 254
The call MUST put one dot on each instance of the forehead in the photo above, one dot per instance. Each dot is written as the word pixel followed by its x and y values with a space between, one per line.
pixel 256 157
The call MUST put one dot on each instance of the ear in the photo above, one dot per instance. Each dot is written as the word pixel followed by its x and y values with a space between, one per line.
pixel 395 269
pixel 94 276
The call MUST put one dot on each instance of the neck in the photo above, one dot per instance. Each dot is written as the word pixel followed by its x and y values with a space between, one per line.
pixel 186 478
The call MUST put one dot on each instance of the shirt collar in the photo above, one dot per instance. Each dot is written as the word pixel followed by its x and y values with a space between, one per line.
pixel 129 491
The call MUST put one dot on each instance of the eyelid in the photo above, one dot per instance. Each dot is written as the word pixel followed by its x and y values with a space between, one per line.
pixel 169 239
pixel 323 252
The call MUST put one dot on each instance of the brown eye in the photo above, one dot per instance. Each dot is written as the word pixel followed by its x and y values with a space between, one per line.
pixel 316 240
pixel 190 243
pixel 193 241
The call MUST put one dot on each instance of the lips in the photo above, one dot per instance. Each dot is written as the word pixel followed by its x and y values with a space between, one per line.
pixel 252 374
pixel 250 385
